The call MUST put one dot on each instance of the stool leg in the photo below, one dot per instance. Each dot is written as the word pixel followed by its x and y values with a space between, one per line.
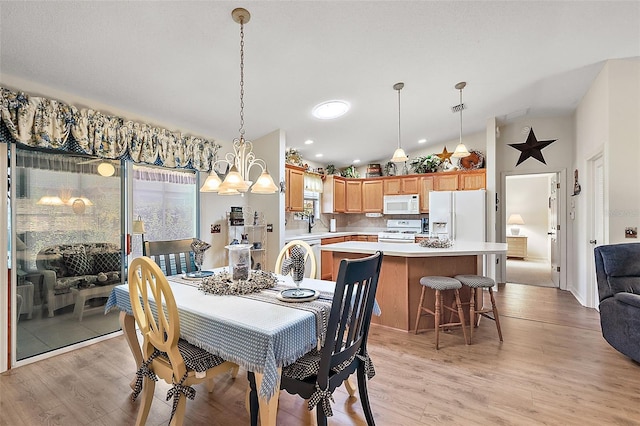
pixel 437 317
pixel 419 314
pixel 472 313
pixel 461 316
pixel 496 317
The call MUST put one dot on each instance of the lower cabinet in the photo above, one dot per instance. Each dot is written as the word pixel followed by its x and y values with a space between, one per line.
pixel 326 272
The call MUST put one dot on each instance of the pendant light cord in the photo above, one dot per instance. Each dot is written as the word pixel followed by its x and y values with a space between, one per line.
pixel 241 79
pixel 399 144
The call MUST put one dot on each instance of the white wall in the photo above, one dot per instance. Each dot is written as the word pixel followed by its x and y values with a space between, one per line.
pixel 528 195
pixel 608 122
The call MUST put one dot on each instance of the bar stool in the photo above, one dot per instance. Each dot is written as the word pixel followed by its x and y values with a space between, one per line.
pixel 479 282
pixel 440 284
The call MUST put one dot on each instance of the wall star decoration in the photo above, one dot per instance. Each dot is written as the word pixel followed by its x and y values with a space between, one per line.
pixel 445 155
pixel 531 148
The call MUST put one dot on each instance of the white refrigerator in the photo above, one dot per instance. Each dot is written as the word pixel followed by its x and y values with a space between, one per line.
pixel 458 215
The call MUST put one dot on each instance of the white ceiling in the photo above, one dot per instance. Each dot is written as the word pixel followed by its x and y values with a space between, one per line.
pixel 177 63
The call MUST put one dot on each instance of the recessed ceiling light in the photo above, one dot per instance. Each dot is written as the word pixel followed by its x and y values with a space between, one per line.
pixel 330 109
pixel 308 142
pixel 422 141
pixel 318 155
pixel 356 161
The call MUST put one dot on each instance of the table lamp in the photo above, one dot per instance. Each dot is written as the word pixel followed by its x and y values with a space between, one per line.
pixel 138 228
pixel 515 219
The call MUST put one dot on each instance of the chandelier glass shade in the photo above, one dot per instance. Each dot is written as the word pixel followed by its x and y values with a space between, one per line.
pixel 461 150
pixel 399 155
pixel 242 160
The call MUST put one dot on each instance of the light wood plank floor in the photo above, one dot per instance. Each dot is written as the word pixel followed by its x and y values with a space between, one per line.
pixel 554 368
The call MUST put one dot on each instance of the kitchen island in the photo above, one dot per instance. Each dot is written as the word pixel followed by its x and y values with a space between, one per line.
pixel 404 264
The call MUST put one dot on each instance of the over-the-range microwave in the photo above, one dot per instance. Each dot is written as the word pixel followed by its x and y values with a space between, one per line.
pixel 401 204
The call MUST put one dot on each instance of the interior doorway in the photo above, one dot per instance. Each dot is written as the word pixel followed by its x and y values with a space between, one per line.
pixel 531 212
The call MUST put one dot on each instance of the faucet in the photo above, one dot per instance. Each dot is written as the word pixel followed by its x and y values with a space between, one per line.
pixel 312 222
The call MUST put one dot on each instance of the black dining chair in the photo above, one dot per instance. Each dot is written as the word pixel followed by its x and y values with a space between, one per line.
pixel 318 373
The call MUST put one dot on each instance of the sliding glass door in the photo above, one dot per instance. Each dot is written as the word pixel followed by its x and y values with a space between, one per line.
pixel 67 219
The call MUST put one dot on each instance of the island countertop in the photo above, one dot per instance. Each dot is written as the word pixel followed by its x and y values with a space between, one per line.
pixel 414 250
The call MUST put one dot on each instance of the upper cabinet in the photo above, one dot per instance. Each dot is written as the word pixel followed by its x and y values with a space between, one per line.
pixel 333 197
pixel 372 190
pixel 473 179
pixel 353 196
pixel 401 185
pixel 294 195
pixel 447 181
pixel 426 186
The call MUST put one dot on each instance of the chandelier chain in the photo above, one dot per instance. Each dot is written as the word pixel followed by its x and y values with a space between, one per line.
pixel 241 78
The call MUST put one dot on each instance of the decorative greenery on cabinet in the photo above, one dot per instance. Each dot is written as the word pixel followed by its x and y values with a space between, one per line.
pixel 425 164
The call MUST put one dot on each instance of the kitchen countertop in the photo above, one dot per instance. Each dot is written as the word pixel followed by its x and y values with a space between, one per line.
pixel 414 249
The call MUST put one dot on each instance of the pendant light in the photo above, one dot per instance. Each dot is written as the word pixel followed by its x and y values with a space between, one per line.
pixel 461 150
pixel 399 156
pixel 242 159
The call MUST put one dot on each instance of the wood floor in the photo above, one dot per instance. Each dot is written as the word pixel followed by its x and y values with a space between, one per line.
pixel 553 368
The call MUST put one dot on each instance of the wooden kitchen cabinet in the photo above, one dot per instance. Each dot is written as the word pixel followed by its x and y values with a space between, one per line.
pixel 401 185
pixel 426 186
pixel 372 191
pixel 353 196
pixel 472 179
pixel 446 181
pixel 294 194
pixel 333 198
pixel 326 260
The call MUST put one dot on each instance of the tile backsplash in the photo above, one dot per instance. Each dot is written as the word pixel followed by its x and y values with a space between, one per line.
pixel 344 222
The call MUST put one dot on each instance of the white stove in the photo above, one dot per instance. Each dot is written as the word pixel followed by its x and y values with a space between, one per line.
pixel 400 231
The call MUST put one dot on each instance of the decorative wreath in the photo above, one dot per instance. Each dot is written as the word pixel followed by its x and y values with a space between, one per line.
pixel 221 283
pixel 436 243
pixel 475 160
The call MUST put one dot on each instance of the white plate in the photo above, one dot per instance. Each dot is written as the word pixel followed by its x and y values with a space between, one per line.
pixel 309 295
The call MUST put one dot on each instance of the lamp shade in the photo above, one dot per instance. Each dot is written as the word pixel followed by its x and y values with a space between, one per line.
pixel 212 183
pixel 461 151
pixel 138 226
pixel 515 219
pixel 264 184
pixel 106 169
pixel 235 181
pixel 399 156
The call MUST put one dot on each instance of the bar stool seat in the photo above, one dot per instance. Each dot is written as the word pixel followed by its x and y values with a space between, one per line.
pixel 479 282
pixel 440 284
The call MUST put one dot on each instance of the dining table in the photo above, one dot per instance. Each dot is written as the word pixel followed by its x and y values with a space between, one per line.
pixel 257 331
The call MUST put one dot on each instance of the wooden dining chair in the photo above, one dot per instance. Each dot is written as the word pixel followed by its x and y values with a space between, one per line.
pixel 174 360
pixel 309 257
pixel 318 373
pixel 173 256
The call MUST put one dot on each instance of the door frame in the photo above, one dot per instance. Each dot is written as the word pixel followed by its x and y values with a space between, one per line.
pixel 593 299
pixel 562 217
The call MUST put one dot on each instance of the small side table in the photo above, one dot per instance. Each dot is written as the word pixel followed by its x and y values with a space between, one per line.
pixel 517 246
pixel 25 290
pixel 82 295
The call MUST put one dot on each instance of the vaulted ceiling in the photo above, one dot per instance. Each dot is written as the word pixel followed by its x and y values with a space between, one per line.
pixel 177 64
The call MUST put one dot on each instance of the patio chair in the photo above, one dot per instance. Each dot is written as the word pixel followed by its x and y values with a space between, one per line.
pixel 173 256
pixel 318 373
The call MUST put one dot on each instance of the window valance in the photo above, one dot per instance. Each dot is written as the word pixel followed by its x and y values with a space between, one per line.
pixel 46 123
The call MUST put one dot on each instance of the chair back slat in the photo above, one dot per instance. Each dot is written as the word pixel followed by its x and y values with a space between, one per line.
pixel 158 324
pixel 351 312
pixel 173 256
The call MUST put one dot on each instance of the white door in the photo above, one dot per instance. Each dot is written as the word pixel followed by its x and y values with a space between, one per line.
pixel 597 223
pixel 554 244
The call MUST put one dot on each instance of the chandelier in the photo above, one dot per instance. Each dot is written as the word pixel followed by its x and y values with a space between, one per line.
pixel 461 150
pixel 399 156
pixel 242 159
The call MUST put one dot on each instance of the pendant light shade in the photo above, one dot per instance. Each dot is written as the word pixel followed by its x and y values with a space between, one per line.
pixel 399 156
pixel 461 150
pixel 242 159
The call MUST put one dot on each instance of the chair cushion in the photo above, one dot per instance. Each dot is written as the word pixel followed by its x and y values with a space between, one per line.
pixel 440 283
pixel 309 364
pixel 197 359
pixel 475 281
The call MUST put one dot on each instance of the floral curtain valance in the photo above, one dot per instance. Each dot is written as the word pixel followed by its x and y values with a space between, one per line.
pixel 47 123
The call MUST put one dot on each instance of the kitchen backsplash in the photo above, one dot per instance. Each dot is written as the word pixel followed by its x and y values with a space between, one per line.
pixel 344 222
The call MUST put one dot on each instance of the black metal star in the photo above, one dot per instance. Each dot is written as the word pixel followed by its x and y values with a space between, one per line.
pixel 531 148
